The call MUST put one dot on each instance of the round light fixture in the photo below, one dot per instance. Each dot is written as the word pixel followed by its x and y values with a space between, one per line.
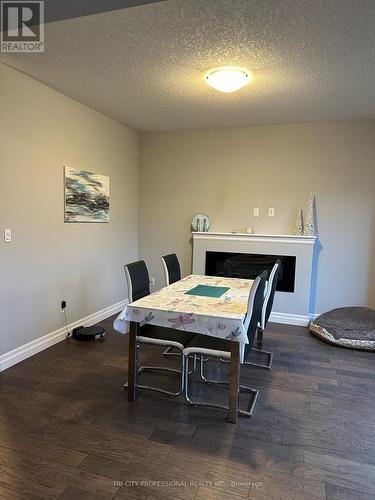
pixel 228 79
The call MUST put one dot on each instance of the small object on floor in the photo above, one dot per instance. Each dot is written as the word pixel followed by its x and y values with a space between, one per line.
pixel 352 327
pixel 88 333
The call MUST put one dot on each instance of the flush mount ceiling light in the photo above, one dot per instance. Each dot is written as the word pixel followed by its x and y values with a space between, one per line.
pixel 228 79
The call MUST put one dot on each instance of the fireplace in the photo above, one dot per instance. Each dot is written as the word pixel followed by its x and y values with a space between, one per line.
pixel 250 265
pixel 227 254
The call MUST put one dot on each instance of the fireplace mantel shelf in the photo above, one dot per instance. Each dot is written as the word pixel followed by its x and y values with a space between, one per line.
pixel 290 238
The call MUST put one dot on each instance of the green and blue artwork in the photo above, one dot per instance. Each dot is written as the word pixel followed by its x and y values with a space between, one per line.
pixel 86 196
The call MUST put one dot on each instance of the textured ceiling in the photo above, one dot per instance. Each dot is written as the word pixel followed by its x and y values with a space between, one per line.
pixel 313 60
pixel 56 10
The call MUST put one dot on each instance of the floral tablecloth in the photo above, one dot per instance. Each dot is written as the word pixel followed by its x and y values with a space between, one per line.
pixel 221 317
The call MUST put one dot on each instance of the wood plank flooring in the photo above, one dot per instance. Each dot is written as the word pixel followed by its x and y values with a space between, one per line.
pixel 67 430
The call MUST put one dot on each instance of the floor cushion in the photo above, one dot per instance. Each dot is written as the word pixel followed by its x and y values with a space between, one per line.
pixel 352 327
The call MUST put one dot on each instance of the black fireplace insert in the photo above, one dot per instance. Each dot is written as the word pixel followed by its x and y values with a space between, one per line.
pixel 249 266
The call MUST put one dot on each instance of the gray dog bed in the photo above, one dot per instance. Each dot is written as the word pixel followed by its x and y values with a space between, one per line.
pixel 352 327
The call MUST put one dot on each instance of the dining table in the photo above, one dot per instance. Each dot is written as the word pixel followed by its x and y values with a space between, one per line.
pixel 206 305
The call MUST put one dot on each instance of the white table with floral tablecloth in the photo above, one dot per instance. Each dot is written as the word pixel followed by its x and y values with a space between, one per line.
pixel 172 307
pixel 181 306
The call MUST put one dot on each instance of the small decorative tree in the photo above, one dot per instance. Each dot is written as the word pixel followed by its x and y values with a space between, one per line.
pixel 311 227
pixel 299 223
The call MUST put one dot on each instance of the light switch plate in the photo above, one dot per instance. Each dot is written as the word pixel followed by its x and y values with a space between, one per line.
pixel 256 212
pixel 7 235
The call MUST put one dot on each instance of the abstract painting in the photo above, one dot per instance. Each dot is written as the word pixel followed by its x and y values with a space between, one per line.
pixel 86 196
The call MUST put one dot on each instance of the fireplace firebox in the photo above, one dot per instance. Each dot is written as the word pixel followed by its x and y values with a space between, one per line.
pixel 249 266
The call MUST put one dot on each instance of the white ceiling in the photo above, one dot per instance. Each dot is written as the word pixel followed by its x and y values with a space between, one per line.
pixel 313 60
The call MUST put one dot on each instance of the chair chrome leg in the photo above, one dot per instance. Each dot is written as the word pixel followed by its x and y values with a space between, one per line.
pixel 168 352
pixel 186 394
pixel 259 339
pixel 243 388
pixel 148 368
pixel 201 370
pixel 252 402
pixel 194 364
pixel 259 349
pixel 225 361
pixel 160 368
pixel 267 365
pixel 157 389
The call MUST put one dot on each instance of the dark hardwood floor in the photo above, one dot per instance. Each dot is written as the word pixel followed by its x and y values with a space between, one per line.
pixel 67 430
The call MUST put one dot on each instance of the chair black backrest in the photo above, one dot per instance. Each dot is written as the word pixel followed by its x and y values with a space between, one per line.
pixel 254 309
pixel 171 267
pixel 138 280
pixel 270 293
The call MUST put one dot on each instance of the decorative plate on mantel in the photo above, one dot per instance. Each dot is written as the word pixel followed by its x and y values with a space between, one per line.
pixel 201 223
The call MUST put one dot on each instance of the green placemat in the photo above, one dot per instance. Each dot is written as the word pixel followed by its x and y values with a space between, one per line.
pixel 208 291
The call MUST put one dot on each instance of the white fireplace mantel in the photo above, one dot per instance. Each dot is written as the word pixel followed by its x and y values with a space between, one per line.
pixel 280 238
pixel 289 307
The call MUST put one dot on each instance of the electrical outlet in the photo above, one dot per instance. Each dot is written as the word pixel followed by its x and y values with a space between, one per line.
pixel 63 304
pixel 152 281
pixel 7 235
pixel 271 212
pixel 256 212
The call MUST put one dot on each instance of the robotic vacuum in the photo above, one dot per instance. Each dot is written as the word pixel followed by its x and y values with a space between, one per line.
pixel 88 333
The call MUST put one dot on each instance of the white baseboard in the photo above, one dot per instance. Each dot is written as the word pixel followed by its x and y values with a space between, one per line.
pixel 25 351
pixel 292 319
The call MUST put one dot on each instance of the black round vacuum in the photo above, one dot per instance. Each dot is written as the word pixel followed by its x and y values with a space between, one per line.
pixel 88 333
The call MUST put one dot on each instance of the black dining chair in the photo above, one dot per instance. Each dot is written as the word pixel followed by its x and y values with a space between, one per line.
pixel 172 270
pixel 266 312
pixel 207 347
pixel 172 273
pixel 138 281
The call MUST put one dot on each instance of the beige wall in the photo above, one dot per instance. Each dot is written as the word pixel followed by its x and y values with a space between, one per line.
pixel 224 172
pixel 40 131
pixel 227 172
